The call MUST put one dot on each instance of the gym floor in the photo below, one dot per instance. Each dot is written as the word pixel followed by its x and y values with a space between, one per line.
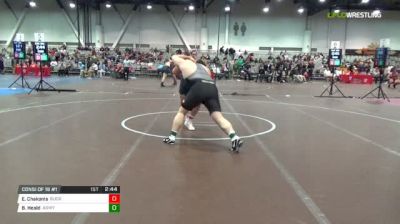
pixel 305 159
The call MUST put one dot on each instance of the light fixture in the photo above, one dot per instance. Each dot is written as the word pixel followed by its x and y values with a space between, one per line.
pixel 108 5
pixel 336 10
pixel 322 1
pixel 32 4
pixel 364 1
pixel 72 5
pixel 191 7
pixel 300 10
pixel 266 9
pixel 149 6
pixel 376 12
pixel 227 8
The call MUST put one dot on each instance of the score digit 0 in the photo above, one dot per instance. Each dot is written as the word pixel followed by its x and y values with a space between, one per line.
pixel 114 199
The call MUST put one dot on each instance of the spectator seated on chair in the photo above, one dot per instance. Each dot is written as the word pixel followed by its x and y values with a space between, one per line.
pixel 82 68
pixel 225 68
pixel 269 71
pixel 17 69
pixel 93 70
pixel 306 75
pixel 102 69
pixel 119 70
pixel 34 69
pixel 394 78
pixel 246 73
pixel 25 68
pixel 53 64
pixel 261 73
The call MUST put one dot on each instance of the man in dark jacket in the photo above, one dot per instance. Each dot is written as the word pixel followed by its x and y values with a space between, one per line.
pixel 1 65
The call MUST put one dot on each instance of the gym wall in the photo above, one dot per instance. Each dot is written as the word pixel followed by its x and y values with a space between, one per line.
pixel 281 27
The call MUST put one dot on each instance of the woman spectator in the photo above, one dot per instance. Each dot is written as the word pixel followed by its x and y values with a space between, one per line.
pixel 394 79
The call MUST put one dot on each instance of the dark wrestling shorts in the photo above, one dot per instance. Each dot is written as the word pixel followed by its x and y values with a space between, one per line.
pixel 166 70
pixel 184 87
pixel 202 92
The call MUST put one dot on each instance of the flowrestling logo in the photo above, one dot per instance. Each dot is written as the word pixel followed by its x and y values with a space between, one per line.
pixel 355 15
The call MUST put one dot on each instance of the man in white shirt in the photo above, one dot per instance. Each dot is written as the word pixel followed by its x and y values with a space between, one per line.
pixel 126 64
pixel 327 74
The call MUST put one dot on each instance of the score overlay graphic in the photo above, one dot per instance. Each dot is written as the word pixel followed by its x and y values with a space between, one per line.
pixel 73 199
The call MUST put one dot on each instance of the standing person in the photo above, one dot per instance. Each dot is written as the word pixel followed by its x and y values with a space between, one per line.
pixel 166 70
pixel 202 91
pixel 1 64
pixel 184 87
pixel 375 73
pixel 126 64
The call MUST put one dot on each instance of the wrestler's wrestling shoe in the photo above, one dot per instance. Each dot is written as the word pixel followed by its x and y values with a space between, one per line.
pixel 189 124
pixel 169 141
pixel 236 144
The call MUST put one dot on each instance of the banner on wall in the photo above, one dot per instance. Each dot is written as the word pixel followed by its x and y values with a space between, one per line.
pixel 360 52
pixel 39 37
pixel 19 37
pixel 384 43
pixel 368 52
pixel 335 44
pixel 394 53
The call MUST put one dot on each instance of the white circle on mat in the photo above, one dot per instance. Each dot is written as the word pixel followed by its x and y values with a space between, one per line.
pixel 123 124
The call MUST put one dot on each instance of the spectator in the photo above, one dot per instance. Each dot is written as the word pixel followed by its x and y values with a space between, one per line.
pixel 1 65
pixel 61 68
pixel 93 70
pixel 82 69
pixel 119 69
pixel 126 64
pixel 246 72
pixel 261 73
pixel 102 69
pixel 394 79
pixel 375 73
pixel 269 69
pixel 221 50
